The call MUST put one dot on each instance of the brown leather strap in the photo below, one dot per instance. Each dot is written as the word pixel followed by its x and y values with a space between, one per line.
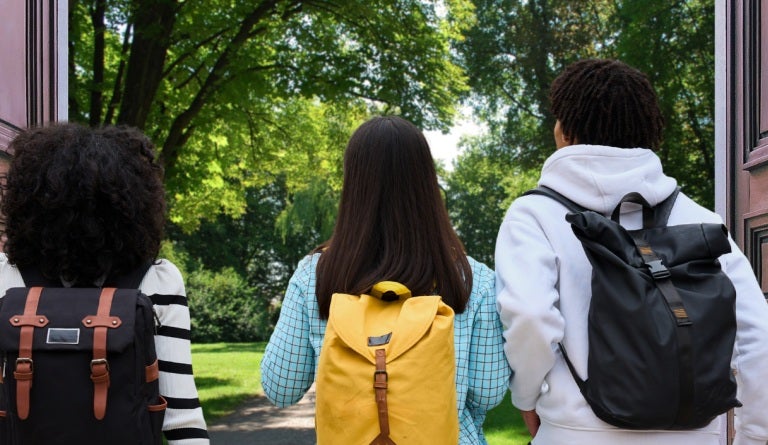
pixel 99 365
pixel 159 407
pixel 23 371
pixel 152 372
pixel 380 382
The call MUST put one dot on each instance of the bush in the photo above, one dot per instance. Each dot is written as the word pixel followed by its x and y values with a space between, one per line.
pixel 224 308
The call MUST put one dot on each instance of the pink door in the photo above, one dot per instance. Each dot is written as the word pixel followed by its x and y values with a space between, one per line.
pixel 33 75
pixel 33 70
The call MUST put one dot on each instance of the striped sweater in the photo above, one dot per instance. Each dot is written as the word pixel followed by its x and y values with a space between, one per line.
pixel 184 423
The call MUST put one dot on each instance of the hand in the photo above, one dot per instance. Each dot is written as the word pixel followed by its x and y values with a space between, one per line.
pixel 532 421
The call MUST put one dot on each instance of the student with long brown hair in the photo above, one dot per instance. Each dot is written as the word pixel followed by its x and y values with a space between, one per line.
pixel 392 225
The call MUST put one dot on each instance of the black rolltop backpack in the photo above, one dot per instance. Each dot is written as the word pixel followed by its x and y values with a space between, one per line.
pixel 661 323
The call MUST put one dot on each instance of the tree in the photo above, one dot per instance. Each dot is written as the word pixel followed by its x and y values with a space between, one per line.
pixel 512 54
pixel 517 48
pixel 673 42
pixel 204 77
pixel 478 193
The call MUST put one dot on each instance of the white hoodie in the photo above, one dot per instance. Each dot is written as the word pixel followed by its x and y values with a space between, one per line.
pixel 543 289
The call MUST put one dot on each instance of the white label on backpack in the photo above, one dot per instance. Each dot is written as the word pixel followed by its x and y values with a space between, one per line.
pixel 63 336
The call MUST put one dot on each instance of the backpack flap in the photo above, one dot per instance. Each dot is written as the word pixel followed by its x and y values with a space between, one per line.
pixel 68 311
pixel 675 244
pixel 39 324
pixel 357 318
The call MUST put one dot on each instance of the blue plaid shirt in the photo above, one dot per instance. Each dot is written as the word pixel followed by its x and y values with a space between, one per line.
pixel 482 374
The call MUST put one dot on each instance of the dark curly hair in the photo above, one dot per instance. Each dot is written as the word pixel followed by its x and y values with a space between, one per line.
pixel 607 102
pixel 83 203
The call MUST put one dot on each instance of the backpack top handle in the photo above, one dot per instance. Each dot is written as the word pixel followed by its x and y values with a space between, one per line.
pixel 653 216
pixel 390 291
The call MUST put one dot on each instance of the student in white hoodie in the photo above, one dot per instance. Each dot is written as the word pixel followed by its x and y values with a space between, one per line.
pixel 608 126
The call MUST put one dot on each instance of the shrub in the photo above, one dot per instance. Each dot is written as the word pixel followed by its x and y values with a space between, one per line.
pixel 224 308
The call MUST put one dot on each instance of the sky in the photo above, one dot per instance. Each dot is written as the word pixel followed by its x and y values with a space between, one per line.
pixel 444 146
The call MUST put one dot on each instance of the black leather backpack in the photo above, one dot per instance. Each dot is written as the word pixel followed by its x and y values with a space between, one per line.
pixel 79 364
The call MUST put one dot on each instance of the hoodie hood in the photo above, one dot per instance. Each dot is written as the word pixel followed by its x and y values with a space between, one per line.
pixel 597 176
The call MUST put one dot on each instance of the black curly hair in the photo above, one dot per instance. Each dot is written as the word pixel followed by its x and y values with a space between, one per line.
pixel 83 203
pixel 607 102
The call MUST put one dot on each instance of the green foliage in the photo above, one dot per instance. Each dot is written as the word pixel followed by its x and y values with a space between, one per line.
pixel 673 42
pixel 251 251
pixel 301 141
pixel 224 308
pixel 517 47
pixel 478 192
pixel 512 54
pixel 310 214
pixel 237 93
pixel 254 244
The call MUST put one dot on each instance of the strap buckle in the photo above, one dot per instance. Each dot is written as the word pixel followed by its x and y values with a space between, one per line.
pixel 658 270
pixel 26 360
pixel 99 362
pixel 380 372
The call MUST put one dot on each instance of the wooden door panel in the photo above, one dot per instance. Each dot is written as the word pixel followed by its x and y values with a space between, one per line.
pixel 747 130
pixel 32 81
pixel 763 76
pixel 757 247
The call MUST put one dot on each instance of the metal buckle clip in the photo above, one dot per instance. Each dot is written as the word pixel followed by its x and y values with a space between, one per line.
pixel 377 372
pixel 25 360
pixel 99 361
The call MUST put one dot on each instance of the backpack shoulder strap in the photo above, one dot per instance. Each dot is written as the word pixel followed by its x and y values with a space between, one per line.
pixel 661 212
pixel 33 277
pixel 546 191
pixel 130 280
pixel 664 208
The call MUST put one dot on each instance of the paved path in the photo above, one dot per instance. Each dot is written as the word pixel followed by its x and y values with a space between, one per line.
pixel 259 422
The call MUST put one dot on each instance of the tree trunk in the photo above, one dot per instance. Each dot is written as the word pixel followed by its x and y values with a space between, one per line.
pixel 97 19
pixel 153 22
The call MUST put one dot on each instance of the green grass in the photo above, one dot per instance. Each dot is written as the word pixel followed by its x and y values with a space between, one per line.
pixel 227 374
pixel 504 425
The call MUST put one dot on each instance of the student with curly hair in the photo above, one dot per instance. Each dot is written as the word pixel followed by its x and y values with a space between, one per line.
pixel 392 225
pixel 82 205
pixel 608 125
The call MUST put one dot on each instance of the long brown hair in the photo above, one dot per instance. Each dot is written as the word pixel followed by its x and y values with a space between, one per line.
pixel 392 222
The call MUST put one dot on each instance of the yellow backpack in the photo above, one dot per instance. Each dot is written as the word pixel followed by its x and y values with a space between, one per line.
pixel 387 372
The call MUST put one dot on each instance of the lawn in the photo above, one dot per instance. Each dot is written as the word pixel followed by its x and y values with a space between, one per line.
pixel 227 374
